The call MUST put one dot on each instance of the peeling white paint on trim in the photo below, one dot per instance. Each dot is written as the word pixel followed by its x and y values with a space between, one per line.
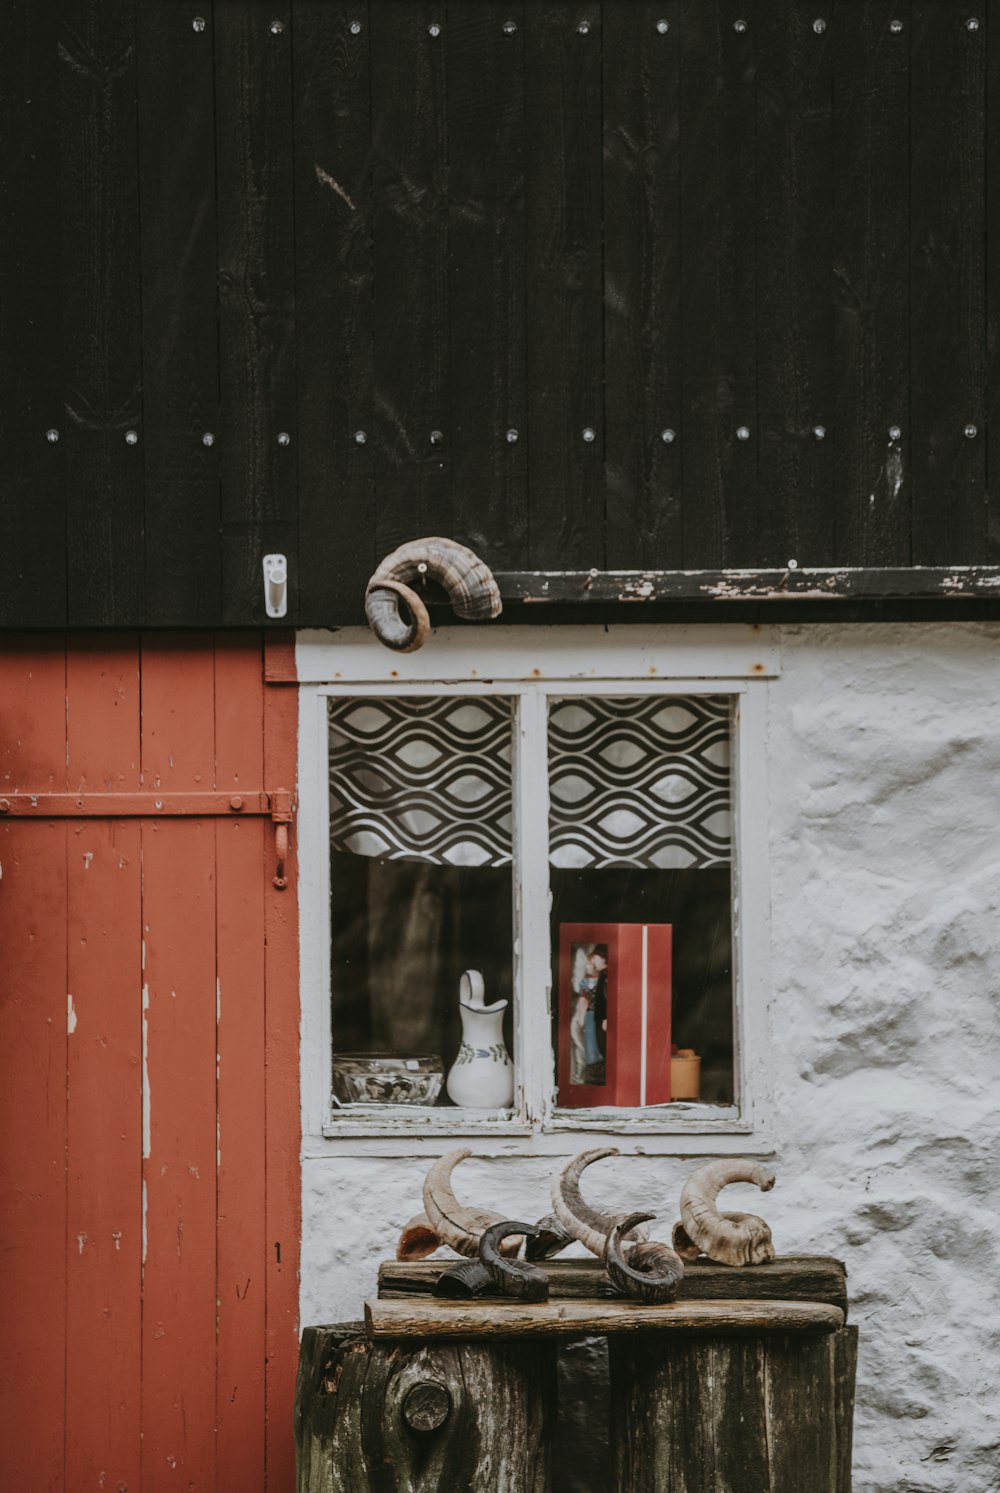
pixel 70 1015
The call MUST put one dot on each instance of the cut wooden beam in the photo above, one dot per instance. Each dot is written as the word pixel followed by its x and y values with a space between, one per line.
pixel 462 1319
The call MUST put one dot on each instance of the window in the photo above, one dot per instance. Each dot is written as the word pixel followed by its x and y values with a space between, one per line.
pixel 531 878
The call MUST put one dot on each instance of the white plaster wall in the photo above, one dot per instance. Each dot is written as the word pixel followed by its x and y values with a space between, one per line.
pixel 884 772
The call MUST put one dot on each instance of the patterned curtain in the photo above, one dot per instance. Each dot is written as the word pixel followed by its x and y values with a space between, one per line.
pixel 640 781
pixel 422 779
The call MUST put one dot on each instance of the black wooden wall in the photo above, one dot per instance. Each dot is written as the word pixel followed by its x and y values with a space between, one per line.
pixel 317 276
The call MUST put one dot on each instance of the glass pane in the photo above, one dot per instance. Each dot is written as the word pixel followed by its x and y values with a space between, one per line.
pixel 420 893
pixel 641 875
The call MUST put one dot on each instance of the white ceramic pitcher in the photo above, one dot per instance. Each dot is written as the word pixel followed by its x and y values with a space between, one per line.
pixel 482 1076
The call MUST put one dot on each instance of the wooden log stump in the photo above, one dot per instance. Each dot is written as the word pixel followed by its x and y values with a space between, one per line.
pixel 697 1414
pixel 401 1416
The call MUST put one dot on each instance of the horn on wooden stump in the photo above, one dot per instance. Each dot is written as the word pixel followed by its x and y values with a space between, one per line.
pixel 651 1272
pixel 418 1239
pixel 727 1238
pixel 581 1219
pixel 518 1278
pixel 456 1225
pixel 467 581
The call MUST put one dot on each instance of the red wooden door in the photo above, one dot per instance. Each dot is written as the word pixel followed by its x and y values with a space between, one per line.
pixel 149 1122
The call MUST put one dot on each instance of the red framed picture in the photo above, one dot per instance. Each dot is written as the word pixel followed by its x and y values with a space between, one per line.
pixel 614 1014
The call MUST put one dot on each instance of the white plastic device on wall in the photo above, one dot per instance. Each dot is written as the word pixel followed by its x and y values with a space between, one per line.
pixel 275 585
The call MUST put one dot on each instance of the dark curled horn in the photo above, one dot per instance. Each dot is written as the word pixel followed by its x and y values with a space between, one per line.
pixel 465 1279
pixel 651 1273
pixel 514 1277
pixel 467 581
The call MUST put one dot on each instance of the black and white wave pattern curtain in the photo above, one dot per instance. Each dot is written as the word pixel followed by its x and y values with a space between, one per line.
pixel 422 779
pixel 640 781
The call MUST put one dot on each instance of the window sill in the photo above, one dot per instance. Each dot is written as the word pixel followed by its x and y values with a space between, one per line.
pixel 417 1120
pixel 415 1123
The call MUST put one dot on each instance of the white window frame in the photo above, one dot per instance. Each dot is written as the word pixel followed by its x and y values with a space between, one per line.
pixel 533 663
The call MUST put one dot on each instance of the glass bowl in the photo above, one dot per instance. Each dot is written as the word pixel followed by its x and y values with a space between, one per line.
pixel 386 1078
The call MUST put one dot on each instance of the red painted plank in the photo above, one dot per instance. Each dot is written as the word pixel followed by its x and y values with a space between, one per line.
pixel 179 1278
pixel 239 713
pixel 242 1245
pixel 33 1096
pixel 179 1282
pixel 104 1151
pixel 178 713
pixel 33 1155
pixel 33 691
pixel 102 713
pixel 282 1104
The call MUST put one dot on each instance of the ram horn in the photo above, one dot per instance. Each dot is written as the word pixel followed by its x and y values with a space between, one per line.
pixel 457 1226
pixel 467 581
pixel 418 1239
pixel 579 1218
pixel 651 1272
pixel 463 1280
pixel 728 1238
pixel 549 1238
pixel 518 1278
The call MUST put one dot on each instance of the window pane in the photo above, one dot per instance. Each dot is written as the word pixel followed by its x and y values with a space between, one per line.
pixel 640 851
pixel 420 884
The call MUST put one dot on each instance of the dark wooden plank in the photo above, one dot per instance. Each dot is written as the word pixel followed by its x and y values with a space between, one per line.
pixel 960 582
pixel 798 514
pixel 789 1278
pixel 333 297
pixel 32 468
pixel 565 284
pixel 992 210
pixel 253 85
pixel 486 277
pixel 947 272
pixel 412 428
pixel 642 282
pixel 99 197
pixel 871 275
pixel 722 514
pixel 180 360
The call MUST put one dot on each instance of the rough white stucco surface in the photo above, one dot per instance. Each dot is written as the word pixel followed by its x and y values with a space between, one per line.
pixel 884 772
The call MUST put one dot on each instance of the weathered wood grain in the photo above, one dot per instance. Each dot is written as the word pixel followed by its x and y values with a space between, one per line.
pixel 642 281
pixel 565 283
pixel 487 1318
pixel 412 435
pixel 694 1416
pixel 362 1421
pixel 798 512
pixel 789 1278
pixel 948 320
pixel 32 469
pixel 333 297
pixel 813 584
pixel 870 255
pixel 487 147
pixel 256 276
pixel 98 193
pixel 180 340
pixel 718 211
